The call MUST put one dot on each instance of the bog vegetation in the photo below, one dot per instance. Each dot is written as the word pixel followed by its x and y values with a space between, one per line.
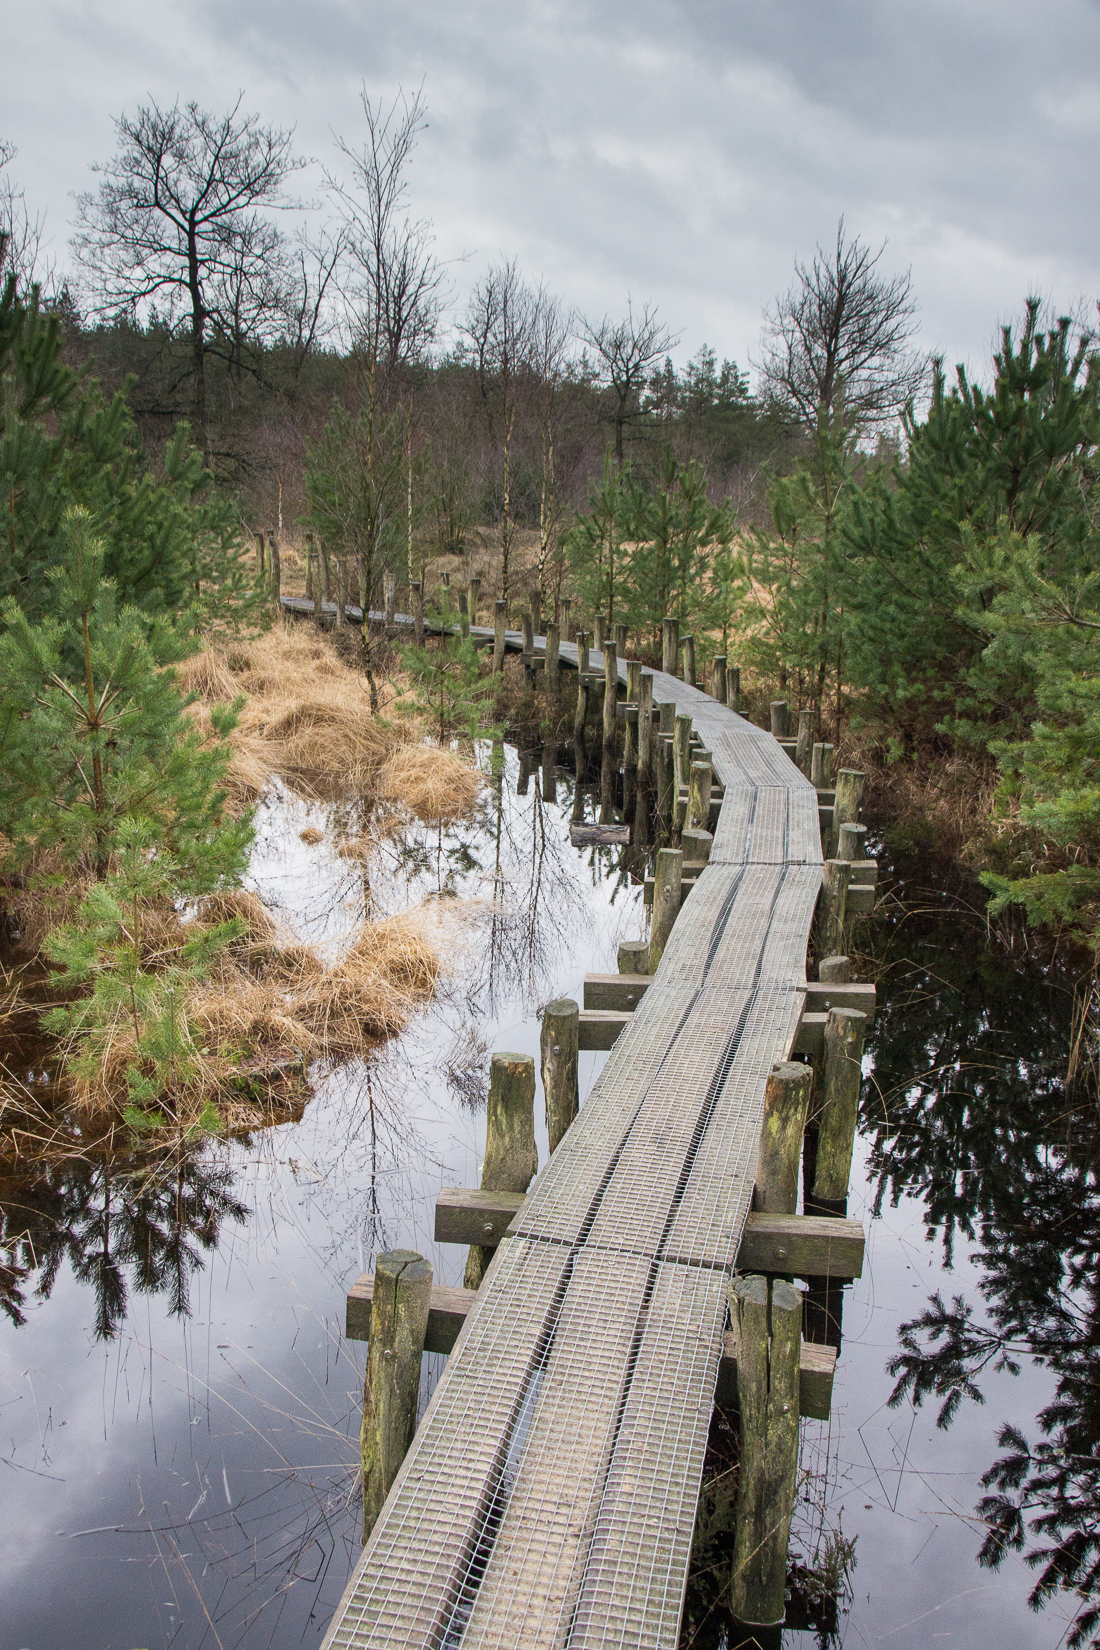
pixel 911 551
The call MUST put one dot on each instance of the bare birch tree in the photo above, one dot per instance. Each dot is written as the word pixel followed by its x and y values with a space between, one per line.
pixel 499 323
pixel 838 342
pixel 625 351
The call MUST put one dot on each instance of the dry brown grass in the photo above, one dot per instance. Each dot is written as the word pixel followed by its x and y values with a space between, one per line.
pixel 270 1006
pixel 436 785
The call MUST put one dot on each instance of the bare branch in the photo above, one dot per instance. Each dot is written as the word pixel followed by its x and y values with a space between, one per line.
pixel 625 350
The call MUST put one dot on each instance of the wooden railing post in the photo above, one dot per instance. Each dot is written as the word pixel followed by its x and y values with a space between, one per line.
pixel 474 596
pixel 511 1156
pixel 670 645
pixel 733 687
pixel 718 678
pixel 804 749
pixel 610 695
pixel 558 1043
pixel 418 611
pixel 687 663
pixel 698 814
pixel 779 709
pixel 398 1323
pixel 769 1320
pixel 645 725
pixel 842 1071
pixel 682 751
pixel 667 878
pixel 786 1108
pixel 832 907
pixel 849 793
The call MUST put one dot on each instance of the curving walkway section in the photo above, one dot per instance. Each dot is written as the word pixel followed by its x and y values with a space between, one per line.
pixel 549 1496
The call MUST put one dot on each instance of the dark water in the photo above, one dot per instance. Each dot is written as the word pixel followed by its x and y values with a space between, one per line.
pixel 179 1411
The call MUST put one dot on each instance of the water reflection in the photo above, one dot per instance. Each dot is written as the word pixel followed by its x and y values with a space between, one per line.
pixel 970 1112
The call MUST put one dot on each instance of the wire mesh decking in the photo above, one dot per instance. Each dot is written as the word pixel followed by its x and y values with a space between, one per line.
pixel 549 1495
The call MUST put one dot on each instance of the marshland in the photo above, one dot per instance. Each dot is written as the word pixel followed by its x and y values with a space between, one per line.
pixel 273 891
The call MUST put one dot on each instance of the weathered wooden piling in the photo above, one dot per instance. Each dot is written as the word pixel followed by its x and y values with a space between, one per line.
pixel 778 710
pixel 849 793
pixel 549 772
pixel 670 645
pixel 564 604
pixel 474 596
pixel 645 726
pixel 687 659
pixel 500 612
pixel 599 632
pixel 807 726
pixel 681 748
pixel 558 1043
pixel 620 639
pixel 816 756
pixel 733 687
pixel 832 907
pixel 631 729
pixel 786 1108
pixel 695 846
pixel 852 841
pixel 610 695
pixel 667 877
pixel 769 1321
pixel 841 1072
pixel 511 1156
pixel 633 956
pixel 828 763
pixel 667 710
pixel 580 716
pixel 666 777
pixel 315 587
pixel 464 613
pixel 398 1323
pixel 258 539
pixel 553 642
pixel 718 678
pixel 584 640
pixel 536 610
pixel 699 779
pixel 834 971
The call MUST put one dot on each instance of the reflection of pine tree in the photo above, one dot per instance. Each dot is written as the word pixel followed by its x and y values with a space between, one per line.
pixel 969 1111
pixel 140 1226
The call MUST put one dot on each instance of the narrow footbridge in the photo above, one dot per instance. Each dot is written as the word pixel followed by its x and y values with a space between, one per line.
pixel 549 1496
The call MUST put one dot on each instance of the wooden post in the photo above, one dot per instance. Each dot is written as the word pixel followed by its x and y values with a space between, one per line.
pixel 839 1114
pixel 559 1041
pixel 682 750
pixel 698 816
pixel 769 1322
pixel 718 678
pixel 553 642
pixel 667 708
pixel 666 778
pixel 828 755
pixel 852 841
pixel 464 613
pixel 695 846
pixel 633 956
pixel 474 594
pixel 733 687
pixel 645 724
pixel 832 907
pixel 389 588
pixel 610 695
pixel 418 611
pixel 849 792
pixel 549 772
pixel 807 727
pixel 666 902
pixel 584 638
pixel 527 625
pixel 340 579
pixel 687 661
pixel 620 640
pixel 536 610
pixel 834 971
pixel 398 1324
pixel 786 1107
pixel 511 1156
pixel 564 604
pixel 445 580
pixel 580 716
pixel 630 727
pixel 779 708
pixel 816 758
pixel 500 609
pixel 599 632
pixel 259 538
pixel 670 645
pixel 275 563
pixel 326 568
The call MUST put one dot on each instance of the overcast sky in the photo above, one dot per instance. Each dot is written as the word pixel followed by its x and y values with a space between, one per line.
pixel 683 151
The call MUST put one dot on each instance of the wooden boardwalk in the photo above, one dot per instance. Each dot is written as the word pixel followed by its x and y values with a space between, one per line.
pixel 550 1494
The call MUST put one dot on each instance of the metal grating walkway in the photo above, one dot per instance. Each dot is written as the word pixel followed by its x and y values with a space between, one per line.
pixel 549 1496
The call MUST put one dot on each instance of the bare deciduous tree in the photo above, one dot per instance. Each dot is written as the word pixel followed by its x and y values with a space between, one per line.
pixel 20 234
pixel 626 350
pixel 499 323
pixel 175 220
pixel 551 330
pixel 838 341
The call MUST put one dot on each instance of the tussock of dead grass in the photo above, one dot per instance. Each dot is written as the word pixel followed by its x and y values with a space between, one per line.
pixel 436 785
pixel 271 1005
